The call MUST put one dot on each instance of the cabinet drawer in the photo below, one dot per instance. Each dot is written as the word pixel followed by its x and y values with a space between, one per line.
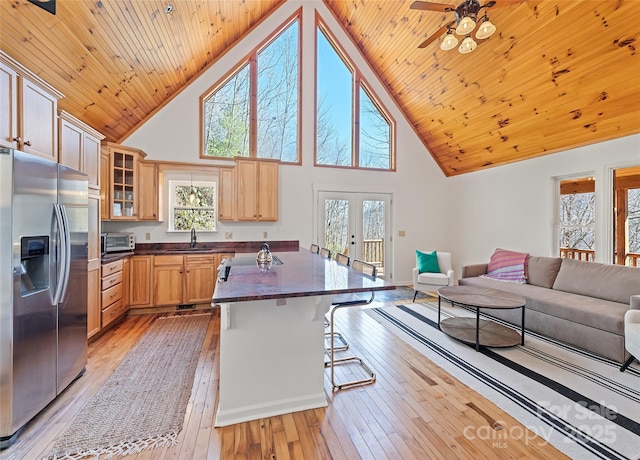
pixel 200 260
pixel 111 268
pixel 167 260
pixel 111 295
pixel 111 280
pixel 112 313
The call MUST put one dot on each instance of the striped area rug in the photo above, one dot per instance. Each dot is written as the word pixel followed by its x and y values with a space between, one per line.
pixel 579 402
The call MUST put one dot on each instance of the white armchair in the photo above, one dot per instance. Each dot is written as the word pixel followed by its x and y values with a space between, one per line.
pixel 632 331
pixel 431 282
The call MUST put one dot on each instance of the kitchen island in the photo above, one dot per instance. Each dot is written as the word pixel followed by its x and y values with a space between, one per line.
pixel 272 332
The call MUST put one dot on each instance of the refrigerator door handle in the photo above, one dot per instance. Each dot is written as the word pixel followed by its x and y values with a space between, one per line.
pixel 63 254
pixel 67 251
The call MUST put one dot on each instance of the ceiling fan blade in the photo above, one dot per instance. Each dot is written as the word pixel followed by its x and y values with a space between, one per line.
pixel 431 6
pixel 434 36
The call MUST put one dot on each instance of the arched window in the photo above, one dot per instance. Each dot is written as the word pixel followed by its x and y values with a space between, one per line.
pixel 254 111
pixel 352 127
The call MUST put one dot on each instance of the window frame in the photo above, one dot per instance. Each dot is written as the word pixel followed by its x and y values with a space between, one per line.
pixel 251 60
pixel 358 81
pixel 173 183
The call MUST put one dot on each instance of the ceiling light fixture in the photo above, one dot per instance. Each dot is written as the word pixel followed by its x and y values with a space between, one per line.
pixel 467 19
pixel 168 9
pixel 450 41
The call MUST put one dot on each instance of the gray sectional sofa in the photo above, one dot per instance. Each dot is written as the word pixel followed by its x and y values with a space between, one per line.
pixel 581 303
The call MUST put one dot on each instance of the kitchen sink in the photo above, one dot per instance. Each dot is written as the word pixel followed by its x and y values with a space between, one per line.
pixel 191 250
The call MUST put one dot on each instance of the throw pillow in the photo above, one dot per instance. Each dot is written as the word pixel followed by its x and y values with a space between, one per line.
pixel 508 266
pixel 427 262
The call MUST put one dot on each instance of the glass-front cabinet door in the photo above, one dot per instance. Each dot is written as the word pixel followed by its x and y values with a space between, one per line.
pixel 124 170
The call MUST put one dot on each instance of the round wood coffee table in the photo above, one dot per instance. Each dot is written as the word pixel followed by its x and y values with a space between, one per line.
pixel 481 332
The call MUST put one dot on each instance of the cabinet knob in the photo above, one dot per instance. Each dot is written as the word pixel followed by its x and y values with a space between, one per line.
pixel 27 143
pixel 17 139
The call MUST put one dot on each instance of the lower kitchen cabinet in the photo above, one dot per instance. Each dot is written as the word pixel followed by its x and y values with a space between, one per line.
pixel 141 281
pixel 112 285
pixel 184 280
pixel 168 283
pixel 93 300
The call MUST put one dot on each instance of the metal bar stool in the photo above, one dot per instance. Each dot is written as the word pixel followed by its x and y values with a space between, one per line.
pixel 370 270
pixel 342 259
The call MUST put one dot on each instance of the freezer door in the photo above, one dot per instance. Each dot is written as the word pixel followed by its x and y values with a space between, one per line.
pixel 28 320
pixel 72 307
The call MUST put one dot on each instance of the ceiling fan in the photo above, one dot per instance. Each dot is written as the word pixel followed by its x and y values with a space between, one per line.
pixel 466 20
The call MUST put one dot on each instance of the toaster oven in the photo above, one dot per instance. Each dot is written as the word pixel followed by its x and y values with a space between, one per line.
pixel 117 241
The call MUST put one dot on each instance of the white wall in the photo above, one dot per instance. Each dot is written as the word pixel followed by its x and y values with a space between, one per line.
pixel 418 186
pixel 513 206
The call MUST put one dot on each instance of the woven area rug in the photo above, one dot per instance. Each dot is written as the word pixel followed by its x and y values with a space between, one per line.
pixel 579 402
pixel 142 403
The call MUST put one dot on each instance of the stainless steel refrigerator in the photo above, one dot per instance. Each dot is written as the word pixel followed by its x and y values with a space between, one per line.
pixel 43 285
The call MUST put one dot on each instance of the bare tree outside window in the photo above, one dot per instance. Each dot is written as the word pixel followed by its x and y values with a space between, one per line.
pixel 278 97
pixel 226 118
pixel 633 220
pixel 577 220
pixel 341 112
pixel 270 79
pixel 375 135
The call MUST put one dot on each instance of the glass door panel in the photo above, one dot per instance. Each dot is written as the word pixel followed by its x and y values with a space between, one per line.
pixel 356 224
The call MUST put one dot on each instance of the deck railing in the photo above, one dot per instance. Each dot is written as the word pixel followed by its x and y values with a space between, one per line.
pixel 373 252
pixel 578 254
pixel 633 258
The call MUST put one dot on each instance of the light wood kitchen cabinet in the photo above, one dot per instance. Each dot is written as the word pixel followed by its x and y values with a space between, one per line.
pixel 105 166
pixel 168 282
pixel 140 281
pixel 93 267
pixel 28 118
pixel 227 194
pixel 257 189
pixel 79 148
pixel 148 186
pixel 123 187
pixel 200 277
pixel 126 281
pixel 93 301
pixel 112 286
pixel 185 279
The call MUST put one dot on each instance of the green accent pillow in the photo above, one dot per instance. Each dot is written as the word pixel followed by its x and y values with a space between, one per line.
pixel 427 262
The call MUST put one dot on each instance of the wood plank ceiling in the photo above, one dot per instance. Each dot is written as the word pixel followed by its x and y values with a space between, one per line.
pixel 557 74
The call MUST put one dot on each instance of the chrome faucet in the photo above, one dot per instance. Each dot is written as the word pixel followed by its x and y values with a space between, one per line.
pixel 193 238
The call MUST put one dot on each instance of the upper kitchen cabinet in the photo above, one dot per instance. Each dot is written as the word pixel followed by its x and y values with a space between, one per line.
pixel 122 189
pixel 28 113
pixel 79 148
pixel 257 189
pixel 227 194
pixel 148 191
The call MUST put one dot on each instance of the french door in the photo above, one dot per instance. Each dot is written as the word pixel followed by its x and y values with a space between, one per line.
pixel 358 225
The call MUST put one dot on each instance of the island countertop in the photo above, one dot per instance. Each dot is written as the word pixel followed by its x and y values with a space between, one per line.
pixel 301 274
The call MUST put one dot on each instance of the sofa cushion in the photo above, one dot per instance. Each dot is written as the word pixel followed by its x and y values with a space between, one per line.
pixel 508 266
pixel 589 311
pixel 603 281
pixel 439 279
pixel 427 262
pixel 542 271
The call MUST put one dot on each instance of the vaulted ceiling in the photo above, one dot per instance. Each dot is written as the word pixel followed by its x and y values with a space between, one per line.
pixel 557 74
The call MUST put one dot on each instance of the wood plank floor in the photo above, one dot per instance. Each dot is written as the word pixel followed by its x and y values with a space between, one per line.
pixel 414 410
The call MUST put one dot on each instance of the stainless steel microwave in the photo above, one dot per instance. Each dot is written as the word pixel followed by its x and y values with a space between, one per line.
pixel 117 241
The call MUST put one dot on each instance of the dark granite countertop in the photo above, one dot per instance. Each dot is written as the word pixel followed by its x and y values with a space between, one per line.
pixel 301 274
pixel 206 247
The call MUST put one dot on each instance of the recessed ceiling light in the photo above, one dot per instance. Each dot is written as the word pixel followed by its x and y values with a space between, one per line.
pixel 168 9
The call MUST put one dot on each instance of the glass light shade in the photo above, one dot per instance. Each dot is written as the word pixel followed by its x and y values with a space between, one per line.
pixel 485 30
pixel 449 42
pixel 465 26
pixel 467 45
